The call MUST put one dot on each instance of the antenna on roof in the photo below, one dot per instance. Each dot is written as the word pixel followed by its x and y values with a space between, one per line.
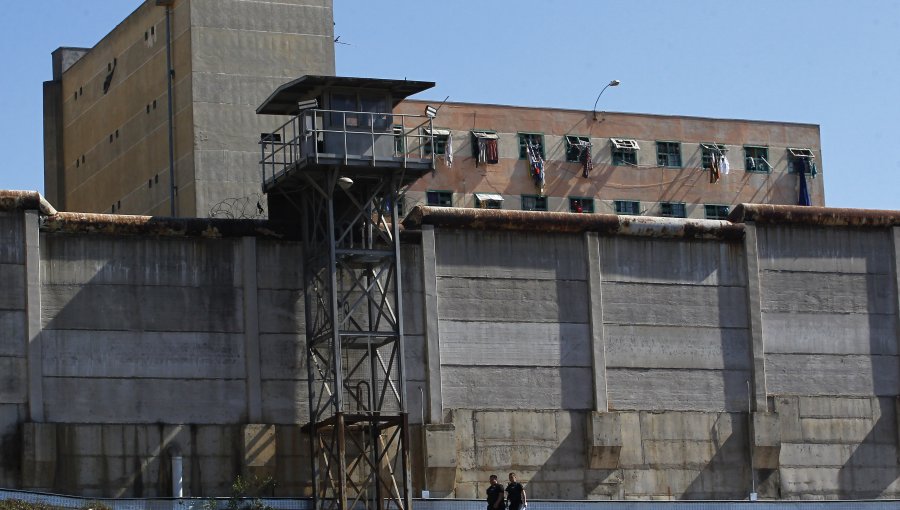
pixel 337 40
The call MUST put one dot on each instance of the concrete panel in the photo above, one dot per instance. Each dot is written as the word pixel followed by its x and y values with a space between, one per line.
pixel 832 407
pixel 12 238
pixel 839 483
pixel 280 264
pixel 838 455
pixel 146 308
pixel 135 354
pixel 825 292
pixel 13 380
pixel 133 261
pixel 514 344
pixel 633 259
pixel 714 427
pixel 282 356
pixel 823 249
pixel 12 333
pixel 264 16
pixel 516 388
pixel 676 305
pixel 837 333
pixel 80 400
pixel 414 349
pixel 285 402
pixel 513 300
pixel 678 390
pixel 226 51
pixel 12 296
pixel 850 375
pixel 537 256
pixel 685 347
pixel 281 311
pixel 852 431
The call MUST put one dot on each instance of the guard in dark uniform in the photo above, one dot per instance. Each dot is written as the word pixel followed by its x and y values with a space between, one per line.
pixel 515 494
pixel 495 494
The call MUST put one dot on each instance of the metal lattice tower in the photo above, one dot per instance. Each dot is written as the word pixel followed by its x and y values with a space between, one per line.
pixel 341 172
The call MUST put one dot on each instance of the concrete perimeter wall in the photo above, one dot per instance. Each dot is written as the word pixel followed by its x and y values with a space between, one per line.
pixel 597 366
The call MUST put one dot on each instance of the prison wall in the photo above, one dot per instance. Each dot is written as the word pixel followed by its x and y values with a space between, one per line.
pixel 654 364
pixel 13 340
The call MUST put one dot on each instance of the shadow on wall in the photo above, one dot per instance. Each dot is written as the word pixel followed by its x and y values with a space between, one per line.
pixel 866 475
pixel 143 347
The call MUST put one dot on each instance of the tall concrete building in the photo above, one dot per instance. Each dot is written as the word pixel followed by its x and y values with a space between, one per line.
pixel 107 119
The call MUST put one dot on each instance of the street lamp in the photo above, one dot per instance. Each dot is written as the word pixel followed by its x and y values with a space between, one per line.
pixel 613 83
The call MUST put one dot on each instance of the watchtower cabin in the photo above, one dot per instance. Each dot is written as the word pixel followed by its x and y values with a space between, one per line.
pixel 346 123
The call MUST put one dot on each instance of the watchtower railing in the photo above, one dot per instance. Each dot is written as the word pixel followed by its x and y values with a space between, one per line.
pixel 357 138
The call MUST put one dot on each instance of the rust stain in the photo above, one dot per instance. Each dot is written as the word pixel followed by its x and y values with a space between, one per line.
pixel 606 224
pixel 114 224
pixel 820 216
pixel 12 200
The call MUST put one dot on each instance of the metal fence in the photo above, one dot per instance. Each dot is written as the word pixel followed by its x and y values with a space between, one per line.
pixel 444 504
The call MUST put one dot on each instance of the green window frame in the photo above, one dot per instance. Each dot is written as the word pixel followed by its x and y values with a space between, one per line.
pixel 399 140
pixel 534 138
pixel 487 204
pixel 573 154
pixel 586 204
pixel 439 198
pixel 534 203
pixel 440 143
pixel 624 152
pixel 668 154
pixel 716 211
pixel 706 153
pixel 631 207
pixel 475 139
pixel 673 209
pixel 795 155
pixel 756 158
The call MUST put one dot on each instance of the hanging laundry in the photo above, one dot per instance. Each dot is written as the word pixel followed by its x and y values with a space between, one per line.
pixel 803 199
pixel 448 151
pixel 481 155
pixel 492 154
pixel 724 167
pixel 536 165
pixel 713 169
pixel 587 162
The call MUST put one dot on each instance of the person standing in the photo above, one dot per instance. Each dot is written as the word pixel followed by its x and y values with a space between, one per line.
pixel 515 493
pixel 495 494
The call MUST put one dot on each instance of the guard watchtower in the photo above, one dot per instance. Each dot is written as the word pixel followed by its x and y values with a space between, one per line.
pixel 338 165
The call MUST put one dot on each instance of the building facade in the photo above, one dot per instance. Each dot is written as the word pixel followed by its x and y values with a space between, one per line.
pixel 107 130
pixel 641 164
pixel 106 120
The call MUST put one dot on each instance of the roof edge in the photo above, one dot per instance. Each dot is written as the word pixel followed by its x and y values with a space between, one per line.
pixel 20 200
pixel 818 216
pixel 572 223
pixel 210 228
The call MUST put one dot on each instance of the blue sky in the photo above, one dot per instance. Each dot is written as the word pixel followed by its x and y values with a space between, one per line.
pixel 836 64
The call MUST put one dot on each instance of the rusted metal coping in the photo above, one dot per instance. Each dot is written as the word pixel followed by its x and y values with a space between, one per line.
pixel 121 225
pixel 12 200
pixel 607 224
pixel 819 216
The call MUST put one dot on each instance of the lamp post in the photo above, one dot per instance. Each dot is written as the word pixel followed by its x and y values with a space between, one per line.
pixel 613 83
